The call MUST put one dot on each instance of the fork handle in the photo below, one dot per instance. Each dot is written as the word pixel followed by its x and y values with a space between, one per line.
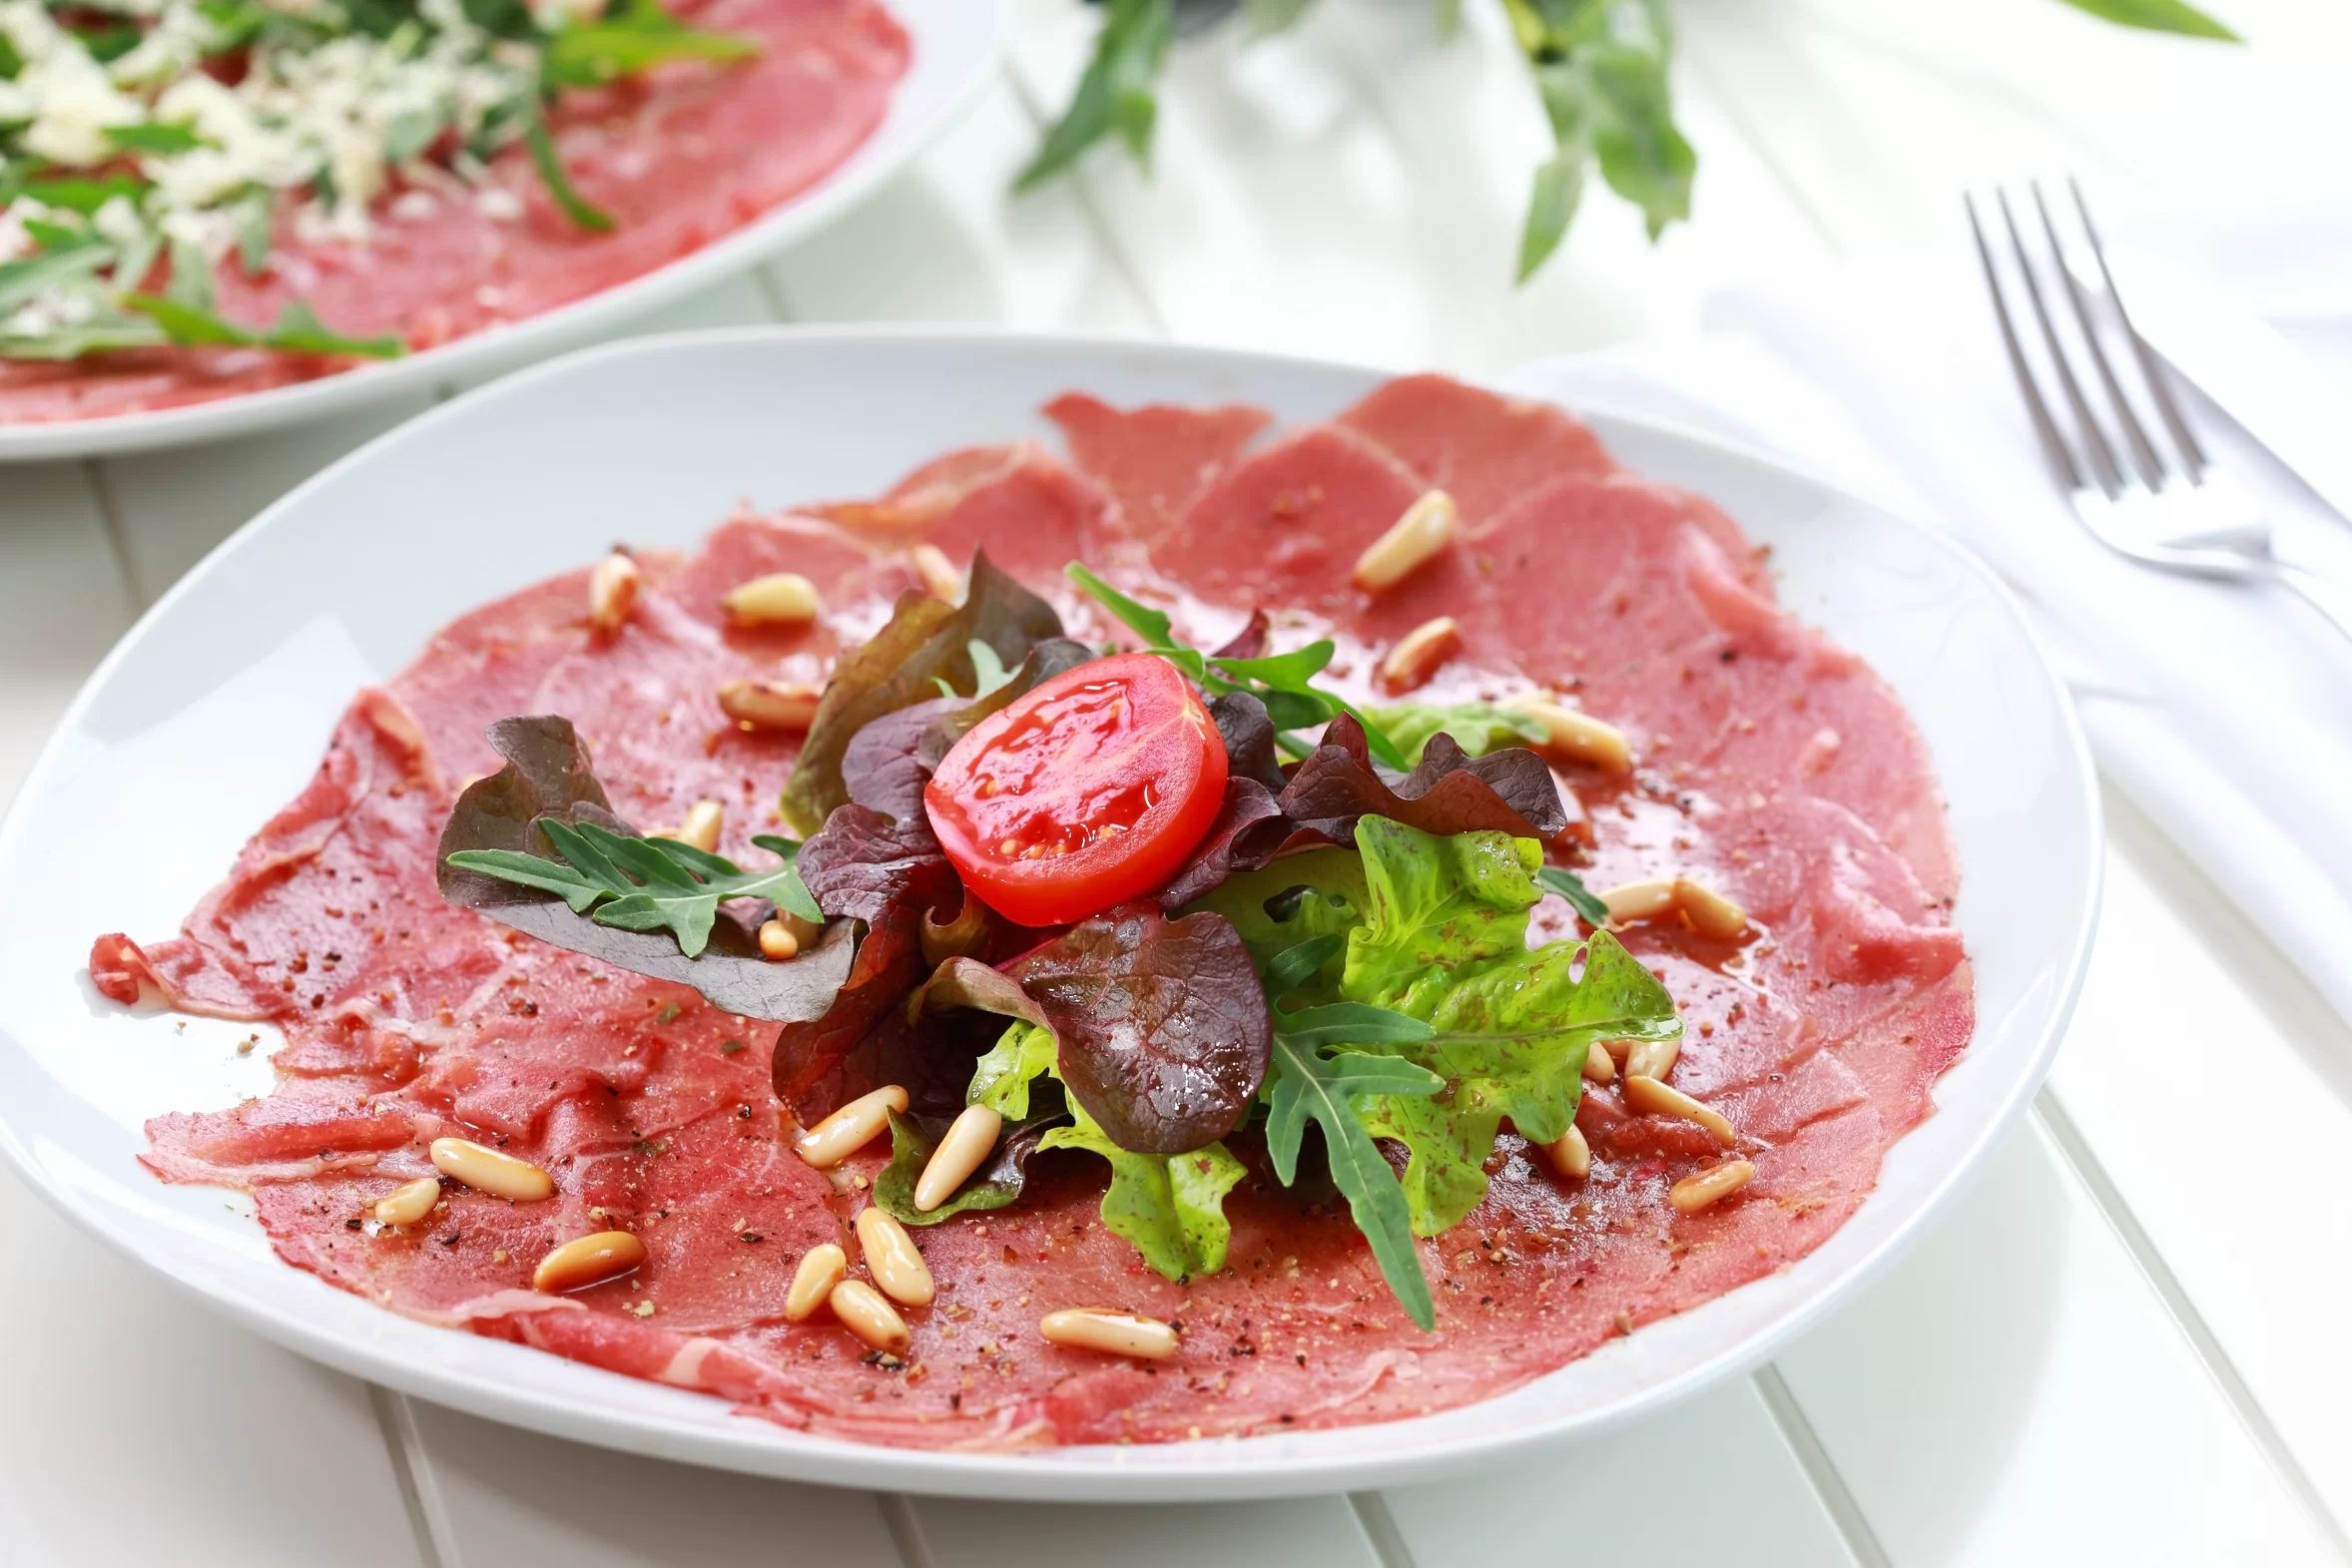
pixel 2329 598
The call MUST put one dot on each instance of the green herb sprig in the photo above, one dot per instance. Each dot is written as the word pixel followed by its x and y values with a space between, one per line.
pixel 1283 682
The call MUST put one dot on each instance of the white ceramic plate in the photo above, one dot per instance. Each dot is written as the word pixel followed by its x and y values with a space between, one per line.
pixel 216 708
pixel 955 48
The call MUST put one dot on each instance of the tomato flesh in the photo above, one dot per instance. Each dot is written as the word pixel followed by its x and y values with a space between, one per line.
pixel 1083 794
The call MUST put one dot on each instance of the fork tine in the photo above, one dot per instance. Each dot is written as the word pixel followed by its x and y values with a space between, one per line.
pixel 2094 441
pixel 2159 385
pixel 2143 453
pixel 2053 446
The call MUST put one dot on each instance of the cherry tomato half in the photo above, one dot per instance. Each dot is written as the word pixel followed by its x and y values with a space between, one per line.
pixel 1083 794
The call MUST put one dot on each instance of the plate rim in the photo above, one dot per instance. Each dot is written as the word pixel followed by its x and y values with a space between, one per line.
pixel 562 331
pixel 1086 1474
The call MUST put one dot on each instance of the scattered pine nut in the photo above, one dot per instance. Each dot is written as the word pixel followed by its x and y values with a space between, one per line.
pixel 768 704
pixel 777 599
pixel 1694 1193
pixel 1654 1098
pixel 967 1145
pixel 851 1128
pixel 1652 1058
pixel 1418 652
pixel 486 1169
pixel 612 591
pixel 1709 912
pixel 1114 1332
pixel 892 1259
pixel 588 1260
pixel 864 1314
pixel 1410 543
pixel 1574 736
pixel 1645 901
pixel 701 829
pixel 938 575
pixel 822 1267
pixel 777 942
pixel 1569 1154
pixel 409 1204
pixel 1599 1066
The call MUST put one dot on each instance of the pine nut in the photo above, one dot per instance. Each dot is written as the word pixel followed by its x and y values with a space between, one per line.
pixel 1645 901
pixel 1652 1058
pixel 612 591
pixel 777 599
pixel 938 575
pixel 787 935
pixel 851 1128
pixel 1709 912
pixel 1569 1154
pixel 488 1171
pixel 892 1259
pixel 822 1267
pixel 409 1204
pixel 1573 736
pixel 1410 543
pixel 704 819
pixel 1114 1332
pixel 962 1151
pixel 766 705
pixel 1599 1066
pixel 1418 652
pixel 864 1314
pixel 588 1260
pixel 1654 1098
pixel 1694 1193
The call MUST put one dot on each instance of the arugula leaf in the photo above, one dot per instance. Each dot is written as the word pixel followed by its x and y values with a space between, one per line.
pixel 253 210
pixel 1115 94
pixel 106 330
pixel 544 158
pixel 652 885
pixel 9 64
pixel 1478 728
pixel 298 331
pixel 1566 883
pixel 1444 940
pixel 1280 680
pixel 1170 1206
pixel 190 282
pixel 155 138
pixel 28 277
pixel 2160 16
pixel 109 42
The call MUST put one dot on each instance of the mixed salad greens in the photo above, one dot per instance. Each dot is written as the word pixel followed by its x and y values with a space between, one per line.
pixel 1344 944
pixel 146 143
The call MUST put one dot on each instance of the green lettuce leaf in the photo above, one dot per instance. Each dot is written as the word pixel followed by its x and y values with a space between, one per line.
pixel 1000 1079
pixel 1297 897
pixel 1169 1206
pixel 1478 728
pixel 1444 940
pixel 996 1185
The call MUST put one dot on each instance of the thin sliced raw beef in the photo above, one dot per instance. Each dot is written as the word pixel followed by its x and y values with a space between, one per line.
pixel 1155 459
pixel 1770 765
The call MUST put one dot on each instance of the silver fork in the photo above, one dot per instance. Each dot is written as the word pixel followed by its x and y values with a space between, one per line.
pixel 2154 506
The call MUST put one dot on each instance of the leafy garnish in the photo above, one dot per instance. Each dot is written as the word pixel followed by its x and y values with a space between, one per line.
pixel 636 37
pixel 546 159
pixel 925 637
pixel 1511 791
pixel 1444 940
pixel 83 194
pixel 1002 1078
pixel 1282 682
pixel 1310 1085
pixel 645 884
pixel 1162 1023
pixel 2160 16
pixel 1478 728
pixel 1580 899
pixel 1041 664
pixel 298 331
pixel 547 778
pixel 996 1183
pixel 1169 1206
pixel 1115 94
pixel 155 136
pixel 30 276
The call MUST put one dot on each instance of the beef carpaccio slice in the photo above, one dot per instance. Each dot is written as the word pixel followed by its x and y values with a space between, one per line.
pixel 1771 764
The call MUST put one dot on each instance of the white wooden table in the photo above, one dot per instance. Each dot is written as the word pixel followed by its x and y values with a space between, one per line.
pixel 2125 1341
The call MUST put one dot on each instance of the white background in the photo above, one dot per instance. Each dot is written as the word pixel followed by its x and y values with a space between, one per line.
pixel 2124 1344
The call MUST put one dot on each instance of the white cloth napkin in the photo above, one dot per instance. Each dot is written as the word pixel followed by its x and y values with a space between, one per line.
pixel 2224 713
